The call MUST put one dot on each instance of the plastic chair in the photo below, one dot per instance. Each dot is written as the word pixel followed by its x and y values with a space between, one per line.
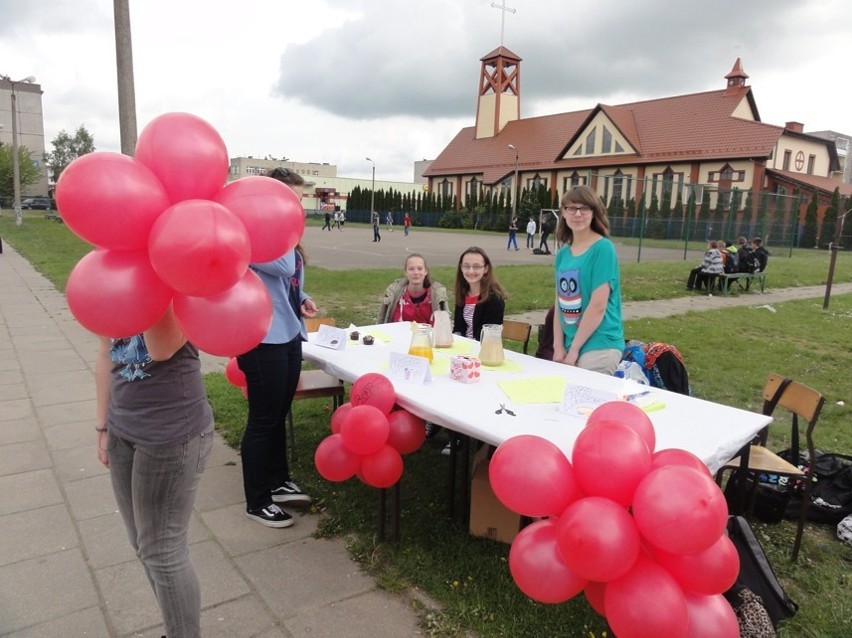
pixel 757 459
pixel 314 384
pixel 517 331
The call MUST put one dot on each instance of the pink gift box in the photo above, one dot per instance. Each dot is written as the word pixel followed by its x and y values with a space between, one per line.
pixel 465 368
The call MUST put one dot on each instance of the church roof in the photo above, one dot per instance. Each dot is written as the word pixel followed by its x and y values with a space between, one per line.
pixel 697 126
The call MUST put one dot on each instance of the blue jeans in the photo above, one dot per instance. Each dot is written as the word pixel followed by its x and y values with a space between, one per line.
pixel 512 240
pixel 272 374
pixel 155 490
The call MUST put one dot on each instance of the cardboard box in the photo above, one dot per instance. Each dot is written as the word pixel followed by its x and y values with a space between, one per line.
pixel 489 518
pixel 465 369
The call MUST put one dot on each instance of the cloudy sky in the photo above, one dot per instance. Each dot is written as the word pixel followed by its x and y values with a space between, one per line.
pixel 338 80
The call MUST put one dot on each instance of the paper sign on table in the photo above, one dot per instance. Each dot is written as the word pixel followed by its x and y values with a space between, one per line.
pixel 580 401
pixel 331 337
pixel 406 367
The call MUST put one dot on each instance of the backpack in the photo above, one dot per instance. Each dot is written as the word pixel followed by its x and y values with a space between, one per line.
pixel 749 262
pixel 731 262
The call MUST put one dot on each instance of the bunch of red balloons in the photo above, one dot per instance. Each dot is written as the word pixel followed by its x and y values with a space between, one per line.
pixel 368 436
pixel 167 230
pixel 642 534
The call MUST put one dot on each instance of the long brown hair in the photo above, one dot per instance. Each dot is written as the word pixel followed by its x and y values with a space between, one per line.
pixel 488 283
pixel 291 178
pixel 584 196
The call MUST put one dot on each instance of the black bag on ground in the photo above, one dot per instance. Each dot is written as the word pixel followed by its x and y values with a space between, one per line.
pixel 756 573
pixel 831 493
pixel 771 501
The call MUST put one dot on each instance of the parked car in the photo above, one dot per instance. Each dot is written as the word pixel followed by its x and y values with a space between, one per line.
pixel 38 203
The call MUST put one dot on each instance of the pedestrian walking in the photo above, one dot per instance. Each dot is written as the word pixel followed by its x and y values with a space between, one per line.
pixel 389 221
pixel 406 224
pixel 376 227
pixel 327 223
pixel 513 232
pixel 531 233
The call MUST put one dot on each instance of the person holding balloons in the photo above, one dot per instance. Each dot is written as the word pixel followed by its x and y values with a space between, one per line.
pixel 155 434
pixel 272 372
pixel 588 331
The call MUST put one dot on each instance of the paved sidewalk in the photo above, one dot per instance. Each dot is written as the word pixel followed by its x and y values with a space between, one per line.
pixel 66 567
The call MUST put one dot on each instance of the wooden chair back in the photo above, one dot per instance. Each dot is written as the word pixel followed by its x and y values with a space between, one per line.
pixel 517 331
pixel 312 324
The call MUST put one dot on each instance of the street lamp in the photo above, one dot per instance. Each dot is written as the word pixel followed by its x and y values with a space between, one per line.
pixel 16 169
pixel 515 183
pixel 372 191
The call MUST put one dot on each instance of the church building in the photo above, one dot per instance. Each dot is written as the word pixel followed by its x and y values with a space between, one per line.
pixel 714 140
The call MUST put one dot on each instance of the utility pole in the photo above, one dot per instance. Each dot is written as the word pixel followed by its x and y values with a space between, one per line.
pixel 124 73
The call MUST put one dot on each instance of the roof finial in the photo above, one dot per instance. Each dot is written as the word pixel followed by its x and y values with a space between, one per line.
pixel 503 8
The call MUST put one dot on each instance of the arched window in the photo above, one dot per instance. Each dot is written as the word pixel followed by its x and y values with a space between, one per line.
pixel 617 185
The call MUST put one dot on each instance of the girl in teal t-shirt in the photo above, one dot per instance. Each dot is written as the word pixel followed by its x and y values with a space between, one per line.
pixel 588 330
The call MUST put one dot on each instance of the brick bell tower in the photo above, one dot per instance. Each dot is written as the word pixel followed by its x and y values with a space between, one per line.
pixel 499 97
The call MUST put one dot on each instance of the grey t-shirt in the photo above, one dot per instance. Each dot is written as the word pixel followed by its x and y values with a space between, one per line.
pixel 156 402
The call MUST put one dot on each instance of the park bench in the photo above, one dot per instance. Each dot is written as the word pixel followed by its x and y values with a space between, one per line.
pixel 742 279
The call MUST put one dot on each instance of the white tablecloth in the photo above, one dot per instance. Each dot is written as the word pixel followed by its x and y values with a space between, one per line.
pixel 711 431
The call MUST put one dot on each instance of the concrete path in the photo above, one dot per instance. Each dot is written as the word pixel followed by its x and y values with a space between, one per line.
pixel 66 567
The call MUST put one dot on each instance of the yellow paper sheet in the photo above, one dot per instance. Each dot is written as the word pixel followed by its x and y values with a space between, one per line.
pixel 535 390
pixel 506 366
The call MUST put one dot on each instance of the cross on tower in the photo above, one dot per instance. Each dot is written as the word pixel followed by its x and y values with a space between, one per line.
pixel 503 8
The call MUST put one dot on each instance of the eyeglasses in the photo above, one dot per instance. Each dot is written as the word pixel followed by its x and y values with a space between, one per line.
pixel 577 210
pixel 474 267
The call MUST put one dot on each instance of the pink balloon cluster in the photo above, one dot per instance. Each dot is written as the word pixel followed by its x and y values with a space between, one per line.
pixel 368 439
pixel 166 231
pixel 642 534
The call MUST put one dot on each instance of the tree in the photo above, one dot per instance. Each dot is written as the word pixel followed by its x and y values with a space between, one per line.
pixel 809 232
pixel 27 171
pixel 66 149
pixel 829 219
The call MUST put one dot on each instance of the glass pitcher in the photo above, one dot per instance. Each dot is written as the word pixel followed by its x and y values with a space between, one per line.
pixel 491 345
pixel 443 329
pixel 421 342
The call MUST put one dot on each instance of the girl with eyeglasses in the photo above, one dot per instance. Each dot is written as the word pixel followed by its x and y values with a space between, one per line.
pixel 588 331
pixel 480 299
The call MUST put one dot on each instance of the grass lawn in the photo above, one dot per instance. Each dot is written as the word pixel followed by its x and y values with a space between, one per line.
pixel 728 353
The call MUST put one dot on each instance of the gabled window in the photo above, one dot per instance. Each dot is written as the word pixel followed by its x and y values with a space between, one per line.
pixel 786 165
pixel 590 142
pixel 606 141
pixel 811 163
pixel 618 147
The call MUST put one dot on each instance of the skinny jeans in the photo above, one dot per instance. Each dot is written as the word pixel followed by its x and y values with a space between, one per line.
pixel 155 487
pixel 272 374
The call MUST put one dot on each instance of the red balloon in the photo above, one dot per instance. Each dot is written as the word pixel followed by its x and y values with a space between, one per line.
pixel 186 154
pixel 233 373
pixel 382 468
pixel 271 212
pixel 199 248
pixel 407 432
pixel 230 323
pixel 679 509
pixel 710 571
pixel 531 476
pixel 609 460
pixel 711 617
pixel 594 593
pixel 538 570
pixel 373 389
pixel 338 415
pixel 628 414
pixel 676 456
pixel 116 293
pixel 110 200
pixel 646 603
pixel 334 461
pixel 365 430
pixel 597 538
